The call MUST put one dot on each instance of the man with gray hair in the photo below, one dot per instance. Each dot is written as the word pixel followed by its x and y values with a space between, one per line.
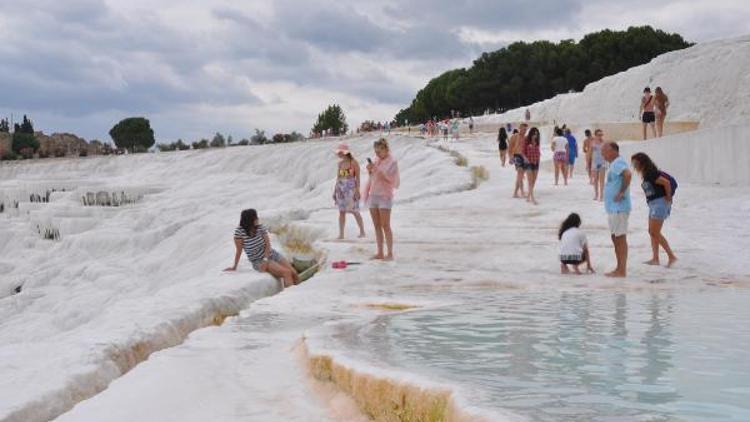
pixel 617 204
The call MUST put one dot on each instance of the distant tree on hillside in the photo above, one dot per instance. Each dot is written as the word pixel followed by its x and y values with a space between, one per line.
pixel 25 144
pixel 166 147
pixel 524 73
pixel 180 145
pixel 25 127
pixel 134 134
pixel 218 141
pixel 202 144
pixel 4 126
pixel 230 140
pixel 243 142
pixel 285 138
pixel 259 138
pixel 333 119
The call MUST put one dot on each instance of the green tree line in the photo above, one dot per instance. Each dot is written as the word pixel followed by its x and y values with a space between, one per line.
pixel 523 73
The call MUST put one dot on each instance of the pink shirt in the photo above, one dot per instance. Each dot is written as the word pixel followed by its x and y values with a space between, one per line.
pixel 384 179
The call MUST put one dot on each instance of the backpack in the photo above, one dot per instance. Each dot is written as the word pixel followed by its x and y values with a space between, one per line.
pixel 672 181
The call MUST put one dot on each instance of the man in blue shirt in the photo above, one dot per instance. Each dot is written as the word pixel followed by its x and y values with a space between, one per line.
pixel 617 204
pixel 572 151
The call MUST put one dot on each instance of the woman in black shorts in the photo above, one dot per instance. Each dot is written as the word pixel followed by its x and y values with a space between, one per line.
pixel 502 145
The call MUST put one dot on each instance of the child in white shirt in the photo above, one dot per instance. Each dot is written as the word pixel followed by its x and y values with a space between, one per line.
pixel 574 248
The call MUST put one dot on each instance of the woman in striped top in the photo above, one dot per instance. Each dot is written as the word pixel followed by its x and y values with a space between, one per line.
pixel 253 238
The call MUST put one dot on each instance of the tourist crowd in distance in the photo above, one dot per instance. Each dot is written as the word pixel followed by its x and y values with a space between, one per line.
pixel 607 172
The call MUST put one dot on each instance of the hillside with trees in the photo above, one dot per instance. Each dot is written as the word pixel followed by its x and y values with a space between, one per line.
pixel 524 73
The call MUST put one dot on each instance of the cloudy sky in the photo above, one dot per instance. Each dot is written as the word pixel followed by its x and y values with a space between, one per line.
pixel 194 67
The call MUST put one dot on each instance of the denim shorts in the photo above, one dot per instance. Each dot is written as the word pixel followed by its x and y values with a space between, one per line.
pixel 274 256
pixel 380 202
pixel 658 209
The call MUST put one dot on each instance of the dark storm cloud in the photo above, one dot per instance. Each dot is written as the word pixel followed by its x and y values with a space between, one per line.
pixel 79 57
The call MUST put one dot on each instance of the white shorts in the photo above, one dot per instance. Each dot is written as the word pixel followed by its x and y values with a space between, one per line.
pixel 618 223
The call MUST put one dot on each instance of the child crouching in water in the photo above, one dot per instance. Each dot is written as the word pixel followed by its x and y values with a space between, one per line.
pixel 574 249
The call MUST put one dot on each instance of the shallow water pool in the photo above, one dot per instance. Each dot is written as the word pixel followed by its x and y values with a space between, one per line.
pixel 579 355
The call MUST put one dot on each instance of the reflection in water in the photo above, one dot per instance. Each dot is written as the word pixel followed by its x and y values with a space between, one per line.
pixel 580 354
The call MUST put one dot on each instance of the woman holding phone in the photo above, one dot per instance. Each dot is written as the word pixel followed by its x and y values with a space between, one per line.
pixel 378 195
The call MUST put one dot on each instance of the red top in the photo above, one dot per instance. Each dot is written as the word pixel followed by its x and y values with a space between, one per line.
pixel 532 152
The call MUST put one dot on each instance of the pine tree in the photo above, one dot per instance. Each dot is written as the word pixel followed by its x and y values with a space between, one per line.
pixel 333 119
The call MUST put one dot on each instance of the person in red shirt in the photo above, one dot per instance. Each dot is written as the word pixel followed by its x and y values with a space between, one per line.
pixel 532 154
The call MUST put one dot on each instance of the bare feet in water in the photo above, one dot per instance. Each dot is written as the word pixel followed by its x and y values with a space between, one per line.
pixel 671 262
pixel 652 262
pixel 616 274
pixel 377 257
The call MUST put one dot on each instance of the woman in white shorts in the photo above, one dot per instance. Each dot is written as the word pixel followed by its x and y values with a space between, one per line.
pixel 378 195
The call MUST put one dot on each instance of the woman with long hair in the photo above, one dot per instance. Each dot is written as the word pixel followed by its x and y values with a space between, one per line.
pixel 346 193
pixel 384 180
pixel 502 145
pixel 658 190
pixel 574 249
pixel 253 238
pixel 661 103
pixel 559 146
pixel 532 154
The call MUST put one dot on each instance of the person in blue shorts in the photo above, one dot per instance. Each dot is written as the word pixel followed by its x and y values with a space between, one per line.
pixel 658 190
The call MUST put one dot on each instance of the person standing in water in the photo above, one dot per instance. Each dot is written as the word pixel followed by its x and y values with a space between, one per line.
pixel 346 193
pixel 560 151
pixel 658 190
pixel 502 145
pixel 384 180
pixel 661 103
pixel 532 155
pixel 572 151
pixel 587 153
pixel 647 112
pixel 598 166
pixel 251 236
pixel 617 205
pixel 515 149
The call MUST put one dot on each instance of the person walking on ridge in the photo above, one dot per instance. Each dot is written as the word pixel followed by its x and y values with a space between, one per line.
pixel 515 149
pixel 532 155
pixel 502 145
pixel 661 103
pixel 647 112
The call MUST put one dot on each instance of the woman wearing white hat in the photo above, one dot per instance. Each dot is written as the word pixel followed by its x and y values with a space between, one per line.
pixel 346 193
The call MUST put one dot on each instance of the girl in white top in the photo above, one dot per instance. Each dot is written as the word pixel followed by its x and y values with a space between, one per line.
pixel 560 150
pixel 574 249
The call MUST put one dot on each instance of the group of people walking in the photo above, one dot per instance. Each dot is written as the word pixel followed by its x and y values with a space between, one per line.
pixel 653 111
pixel 383 179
